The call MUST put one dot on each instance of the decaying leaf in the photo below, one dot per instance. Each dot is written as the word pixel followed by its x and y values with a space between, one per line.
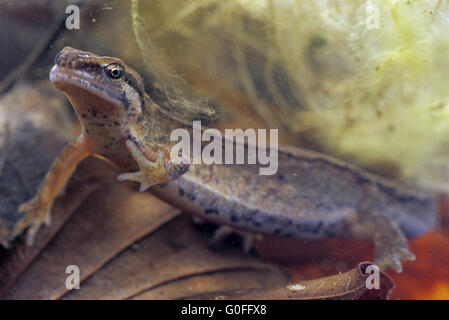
pixel 348 285
pixel 211 282
pixel 16 259
pixel 162 264
pixel 108 222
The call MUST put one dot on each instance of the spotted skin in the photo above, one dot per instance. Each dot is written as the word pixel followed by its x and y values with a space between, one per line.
pixel 312 196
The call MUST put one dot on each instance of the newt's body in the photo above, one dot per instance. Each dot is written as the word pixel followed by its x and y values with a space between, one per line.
pixel 311 195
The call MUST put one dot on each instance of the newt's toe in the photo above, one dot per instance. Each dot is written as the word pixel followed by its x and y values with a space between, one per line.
pixel 145 181
pixel 394 260
pixel 36 214
pixel 152 172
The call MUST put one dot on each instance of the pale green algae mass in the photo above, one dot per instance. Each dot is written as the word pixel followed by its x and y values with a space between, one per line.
pixel 381 95
pixel 372 77
pixel 376 84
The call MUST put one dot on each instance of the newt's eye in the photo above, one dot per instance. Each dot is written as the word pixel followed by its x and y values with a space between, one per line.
pixel 114 71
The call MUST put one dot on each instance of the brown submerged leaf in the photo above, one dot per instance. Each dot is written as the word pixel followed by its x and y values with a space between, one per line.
pixel 173 262
pixel 197 284
pixel 108 222
pixel 14 261
pixel 348 285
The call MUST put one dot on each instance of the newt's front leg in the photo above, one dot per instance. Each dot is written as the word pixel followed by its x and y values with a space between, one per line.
pixel 38 209
pixel 152 172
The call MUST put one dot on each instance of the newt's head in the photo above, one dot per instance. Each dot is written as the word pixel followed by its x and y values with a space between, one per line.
pixel 103 90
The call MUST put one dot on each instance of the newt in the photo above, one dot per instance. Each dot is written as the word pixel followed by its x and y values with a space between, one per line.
pixel 312 196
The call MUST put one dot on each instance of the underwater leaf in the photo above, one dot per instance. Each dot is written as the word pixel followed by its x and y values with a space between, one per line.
pixel 214 281
pixel 109 221
pixel 348 285
pixel 166 262
pixel 15 260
